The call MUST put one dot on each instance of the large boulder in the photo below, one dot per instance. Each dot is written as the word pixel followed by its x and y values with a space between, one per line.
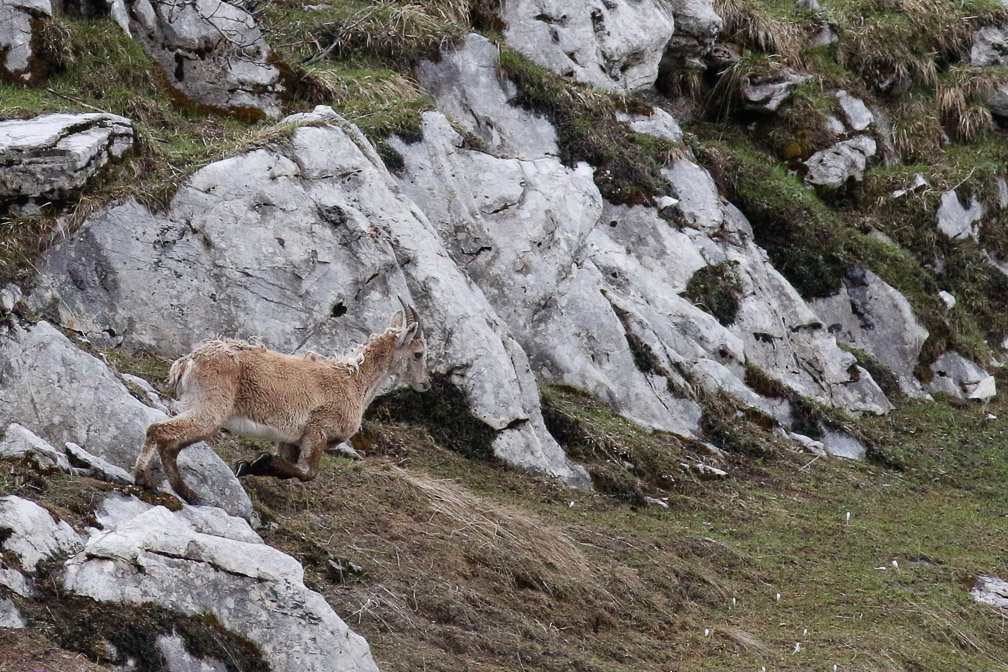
pixel 17 19
pixel 29 535
pixel 212 52
pixel 615 46
pixel 203 563
pixel 306 247
pixel 959 377
pixel 63 394
pixel 54 154
pixel 868 314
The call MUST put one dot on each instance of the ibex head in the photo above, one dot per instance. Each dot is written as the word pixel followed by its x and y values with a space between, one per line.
pixel 411 348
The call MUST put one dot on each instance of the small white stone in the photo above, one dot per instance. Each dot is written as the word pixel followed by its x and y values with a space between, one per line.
pixel 947 299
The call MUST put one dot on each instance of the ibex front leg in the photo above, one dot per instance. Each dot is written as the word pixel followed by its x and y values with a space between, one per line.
pixel 313 443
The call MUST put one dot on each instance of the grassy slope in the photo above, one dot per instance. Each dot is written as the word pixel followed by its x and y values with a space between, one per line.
pixel 474 565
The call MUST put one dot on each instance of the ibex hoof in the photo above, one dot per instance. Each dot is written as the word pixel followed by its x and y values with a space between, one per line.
pixel 256 467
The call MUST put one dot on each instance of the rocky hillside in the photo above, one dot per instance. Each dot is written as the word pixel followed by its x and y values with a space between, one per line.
pixel 669 255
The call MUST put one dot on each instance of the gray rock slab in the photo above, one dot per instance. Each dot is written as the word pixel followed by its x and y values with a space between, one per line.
pixel 176 657
pixel 659 124
pixel 956 375
pixel 32 535
pixel 991 590
pixel 98 467
pixel 958 222
pixel 251 589
pixel 469 88
pixel 833 167
pixel 327 242
pixel 63 394
pixel 16 54
pixel 615 46
pixel 20 443
pixel 54 154
pixel 211 51
pixel 697 26
pixel 841 444
pixel 859 117
pixel 10 616
pixel 766 93
pixel 870 315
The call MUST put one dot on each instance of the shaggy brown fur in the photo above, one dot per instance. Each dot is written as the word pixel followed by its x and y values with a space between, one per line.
pixel 303 403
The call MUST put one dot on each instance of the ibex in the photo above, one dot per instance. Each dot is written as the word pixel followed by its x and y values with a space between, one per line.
pixel 303 403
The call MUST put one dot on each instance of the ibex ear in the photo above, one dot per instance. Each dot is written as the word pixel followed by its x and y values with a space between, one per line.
pixel 399 319
pixel 408 334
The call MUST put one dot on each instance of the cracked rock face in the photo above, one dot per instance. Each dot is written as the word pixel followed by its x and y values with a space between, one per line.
pixel 470 89
pixel 615 46
pixel 305 247
pixel 958 222
pixel 52 155
pixel 833 167
pixel 16 17
pixel 868 314
pixel 212 52
pixel 63 394
pixel 697 26
pixel 201 562
pixel 767 93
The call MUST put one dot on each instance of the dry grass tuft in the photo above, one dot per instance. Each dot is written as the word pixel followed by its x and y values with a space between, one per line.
pixel 760 30
pixel 509 541
pixel 917 131
pixel 960 94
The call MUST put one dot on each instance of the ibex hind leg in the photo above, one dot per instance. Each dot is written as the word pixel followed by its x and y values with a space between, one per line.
pixel 168 439
pixel 309 455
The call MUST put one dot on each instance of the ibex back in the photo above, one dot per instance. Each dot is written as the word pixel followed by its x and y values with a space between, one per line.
pixel 303 403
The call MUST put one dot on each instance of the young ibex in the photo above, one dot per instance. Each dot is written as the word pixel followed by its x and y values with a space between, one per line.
pixel 303 403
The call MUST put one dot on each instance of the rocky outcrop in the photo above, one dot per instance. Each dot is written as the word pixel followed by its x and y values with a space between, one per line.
pixel 959 377
pixel 766 93
pixel 615 46
pixel 871 316
pixel 211 51
pixel 856 113
pixel 55 154
pixel 834 167
pixel 659 124
pixel 990 48
pixel 326 243
pixel 199 562
pixel 16 27
pixel 697 26
pixel 956 221
pixel 31 534
pixel 21 444
pixel 470 89
pixel 63 394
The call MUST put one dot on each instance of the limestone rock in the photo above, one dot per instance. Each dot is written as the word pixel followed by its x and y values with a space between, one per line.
pixel 32 535
pixel 991 590
pixel 177 658
pixel 327 243
pixel 868 314
pixel 16 56
pixel 98 467
pixel 859 117
pixel 55 154
pixel 469 88
pixel 985 390
pixel 10 616
pixel 659 123
pixel 957 376
pixel 613 46
pixel 990 47
pixel 211 51
pixel 958 222
pixel 766 93
pixel 64 394
pixel 19 443
pixel 251 589
pixel 841 444
pixel 832 168
pixel 697 26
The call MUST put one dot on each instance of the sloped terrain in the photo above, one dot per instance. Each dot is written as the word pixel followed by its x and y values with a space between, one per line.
pixel 685 253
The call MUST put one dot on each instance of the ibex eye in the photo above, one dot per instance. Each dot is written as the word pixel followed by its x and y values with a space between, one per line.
pixel 418 355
